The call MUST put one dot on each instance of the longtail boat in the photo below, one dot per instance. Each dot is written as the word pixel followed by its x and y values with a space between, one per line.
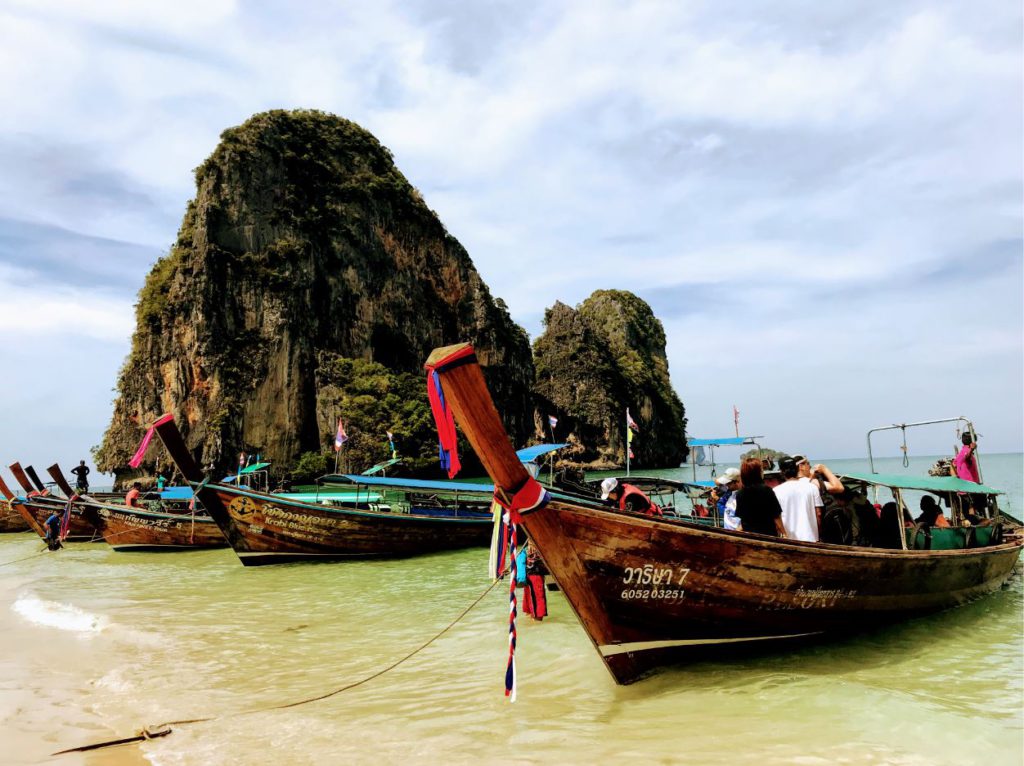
pixel 266 528
pixel 652 590
pixel 141 529
pixel 38 505
pixel 11 520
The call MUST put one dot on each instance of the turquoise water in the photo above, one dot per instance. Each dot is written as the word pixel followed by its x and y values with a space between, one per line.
pixel 95 644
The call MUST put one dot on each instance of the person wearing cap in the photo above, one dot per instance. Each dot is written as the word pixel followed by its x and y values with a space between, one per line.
pixel 801 503
pixel 728 485
pixel 627 497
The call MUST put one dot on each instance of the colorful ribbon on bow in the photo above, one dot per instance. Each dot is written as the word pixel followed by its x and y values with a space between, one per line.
pixel 444 418
pixel 65 520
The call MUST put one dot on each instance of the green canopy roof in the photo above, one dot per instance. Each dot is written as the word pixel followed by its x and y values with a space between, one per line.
pixel 925 483
pixel 381 466
pixel 253 468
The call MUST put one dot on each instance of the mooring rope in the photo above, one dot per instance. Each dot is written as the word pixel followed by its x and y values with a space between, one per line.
pixel 152 732
pixel 26 558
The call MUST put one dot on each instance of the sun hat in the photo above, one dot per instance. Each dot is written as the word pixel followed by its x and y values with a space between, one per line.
pixel 608 486
pixel 730 474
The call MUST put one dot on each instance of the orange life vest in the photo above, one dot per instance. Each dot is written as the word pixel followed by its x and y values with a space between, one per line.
pixel 629 490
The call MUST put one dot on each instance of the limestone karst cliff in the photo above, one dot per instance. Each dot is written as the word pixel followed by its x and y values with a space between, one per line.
pixel 304 243
pixel 595 360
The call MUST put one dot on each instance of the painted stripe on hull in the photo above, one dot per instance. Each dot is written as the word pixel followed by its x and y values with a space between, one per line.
pixel 159 547
pixel 610 650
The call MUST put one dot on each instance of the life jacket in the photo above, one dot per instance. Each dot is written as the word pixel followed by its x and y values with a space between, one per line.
pixel 628 490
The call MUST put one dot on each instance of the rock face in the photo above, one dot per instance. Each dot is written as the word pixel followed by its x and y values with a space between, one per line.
pixel 593 362
pixel 303 239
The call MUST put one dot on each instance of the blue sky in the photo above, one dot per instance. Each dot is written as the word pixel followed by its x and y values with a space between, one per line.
pixel 821 201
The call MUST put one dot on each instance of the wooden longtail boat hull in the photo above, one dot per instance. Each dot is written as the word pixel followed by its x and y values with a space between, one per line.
pixel 649 591
pixel 666 590
pixel 266 530
pixel 131 529
pixel 40 507
pixel 136 529
pixel 11 520
pixel 36 507
pixel 269 529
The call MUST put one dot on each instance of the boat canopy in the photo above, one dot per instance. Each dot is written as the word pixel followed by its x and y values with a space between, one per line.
pixel 656 481
pixel 176 493
pixel 923 483
pixel 247 470
pixel 413 484
pixel 721 442
pixel 529 454
pixel 382 466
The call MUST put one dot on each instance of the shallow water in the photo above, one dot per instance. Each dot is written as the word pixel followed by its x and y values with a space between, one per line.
pixel 95 644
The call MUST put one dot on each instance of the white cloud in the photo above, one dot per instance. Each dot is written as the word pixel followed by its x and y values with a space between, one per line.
pixel 786 152
pixel 34 311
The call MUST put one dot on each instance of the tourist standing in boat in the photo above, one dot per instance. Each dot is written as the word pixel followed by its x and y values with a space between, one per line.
pixel 965 465
pixel 966 462
pixel 819 475
pixel 801 503
pixel 757 507
pixel 81 477
pixel 627 497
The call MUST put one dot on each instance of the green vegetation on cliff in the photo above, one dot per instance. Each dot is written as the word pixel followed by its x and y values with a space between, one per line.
pixel 593 362
pixel 303 239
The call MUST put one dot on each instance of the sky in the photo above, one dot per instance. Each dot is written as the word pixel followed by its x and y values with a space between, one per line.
pixel 822 202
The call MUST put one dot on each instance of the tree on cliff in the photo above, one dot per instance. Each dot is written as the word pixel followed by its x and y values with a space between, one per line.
pixel 599 358
pixel 303 238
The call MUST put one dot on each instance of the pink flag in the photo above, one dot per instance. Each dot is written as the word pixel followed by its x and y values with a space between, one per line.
pixel 140 453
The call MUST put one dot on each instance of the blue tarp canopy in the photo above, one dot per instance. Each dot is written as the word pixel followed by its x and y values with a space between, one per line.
pixel 176 493
pixel 414 484
pixel 721 442
pixel 529 454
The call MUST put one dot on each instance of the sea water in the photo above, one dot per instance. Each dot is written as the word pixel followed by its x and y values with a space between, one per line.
pixel 96 644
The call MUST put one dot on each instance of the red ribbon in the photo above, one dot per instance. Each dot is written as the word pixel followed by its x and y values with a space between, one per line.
pixel 444 418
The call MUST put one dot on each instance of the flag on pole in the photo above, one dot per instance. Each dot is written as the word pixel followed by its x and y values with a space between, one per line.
pixel 241 460
pixel 630 422
pixel 341 437
pixel 736 420
pixel 552 421
pixel 391 445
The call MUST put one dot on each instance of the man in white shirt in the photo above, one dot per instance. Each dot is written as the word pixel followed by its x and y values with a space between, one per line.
pixel 801 503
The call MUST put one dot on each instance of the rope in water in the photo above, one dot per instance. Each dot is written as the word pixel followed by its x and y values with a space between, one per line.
pixel 164 729
pixel 26 558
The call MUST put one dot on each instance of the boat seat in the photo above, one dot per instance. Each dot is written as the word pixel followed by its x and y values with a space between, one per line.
pixel 925 538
